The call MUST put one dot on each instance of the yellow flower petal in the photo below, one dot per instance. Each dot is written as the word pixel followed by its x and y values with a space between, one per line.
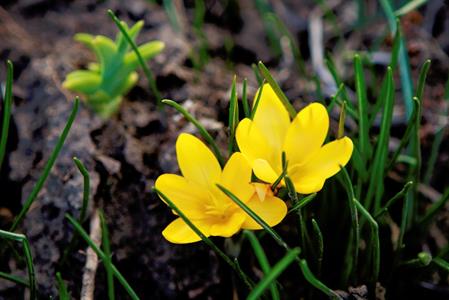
pixel 263 170
pixel 254 144
pixel 306 133
pixel 325 163
pixel 272 210
pixel 179 232
pixel 197 163
pixel 187 196
pixel 228 226
pixel 271 117
pixel 236 177
pixel 308 185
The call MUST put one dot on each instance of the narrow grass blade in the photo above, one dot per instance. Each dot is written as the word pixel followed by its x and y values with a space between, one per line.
pixel 246 280
pixel 416 140
pixel 434 154
pixel 406 211
pixel 7 103
pixel 264 9
pixel 282 28
pixel 277 270
pixel 434 209
pixel 307 273
pixel 353 245
pixel 15 279
pixel 407 135
pixel 408 7
pixel 303 202
pixel 22 239
pixel 334 97
pixel 374 241
pixel 47 168
pixel 146 70
pixel 107 252
pixel 393 200
pixel 266 74
pixel 79 229
pixel 301 222
pixel 365 146
pixel 376 186
pixel 283 173
pixel 341 121
pixel 256 102
pixel 62 288
pixel 441 263
pixel 404 64
pixel 339 82
pixel 198 24
pixel 396 46
pixel 86 189
pixel 438 139
pixel 253 215
pixel 319 241
pixel 246 109
pixel 233 115
pixel 263 261
pixel 172 15
pixel 257 75
pixel 83 213
pixel 423 259
pixel 415 172
pixel 198 125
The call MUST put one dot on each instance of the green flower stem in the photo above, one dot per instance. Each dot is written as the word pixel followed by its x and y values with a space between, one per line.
pixel 47 169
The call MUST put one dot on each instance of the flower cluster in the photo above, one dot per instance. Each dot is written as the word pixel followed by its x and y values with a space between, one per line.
pixel 262 141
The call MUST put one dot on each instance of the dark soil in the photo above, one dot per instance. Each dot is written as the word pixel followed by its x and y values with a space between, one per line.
pixel 126 154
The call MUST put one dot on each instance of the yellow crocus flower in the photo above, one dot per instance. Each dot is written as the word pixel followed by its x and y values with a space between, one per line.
pixel 196 194
pixel 263 139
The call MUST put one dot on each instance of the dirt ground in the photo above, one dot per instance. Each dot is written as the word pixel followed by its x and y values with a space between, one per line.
pixel 125 154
